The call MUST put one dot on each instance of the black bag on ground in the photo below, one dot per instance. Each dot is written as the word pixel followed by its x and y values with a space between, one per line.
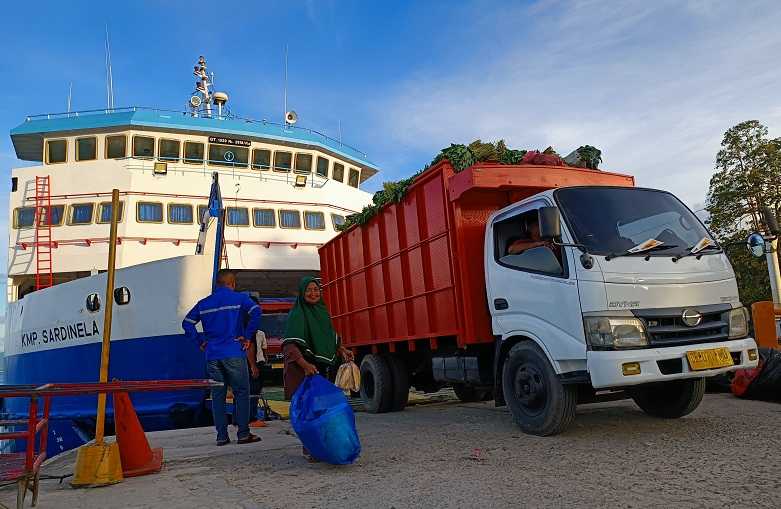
pixel 767 385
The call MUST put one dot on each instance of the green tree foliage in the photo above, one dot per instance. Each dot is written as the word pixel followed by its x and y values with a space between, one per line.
pixel 748 176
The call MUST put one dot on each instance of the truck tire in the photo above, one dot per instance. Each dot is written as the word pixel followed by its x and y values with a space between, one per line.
pixel 470 394
pixel 400 377
pixel 376 384
pixel 538 401
pixel 670 400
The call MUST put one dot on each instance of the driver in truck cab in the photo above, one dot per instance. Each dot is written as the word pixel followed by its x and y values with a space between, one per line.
pixel 531 238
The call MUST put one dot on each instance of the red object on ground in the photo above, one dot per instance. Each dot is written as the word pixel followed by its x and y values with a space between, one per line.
pixel 137 457
pixel 414 272
pixel 743 378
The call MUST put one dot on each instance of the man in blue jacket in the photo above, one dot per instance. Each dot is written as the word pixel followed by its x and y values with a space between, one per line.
pixel 226 339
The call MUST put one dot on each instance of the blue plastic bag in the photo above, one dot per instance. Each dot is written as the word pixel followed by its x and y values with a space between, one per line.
pixel 324 422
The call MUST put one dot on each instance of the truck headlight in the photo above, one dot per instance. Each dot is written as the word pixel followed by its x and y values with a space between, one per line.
pixel 606 332
pixel 738 322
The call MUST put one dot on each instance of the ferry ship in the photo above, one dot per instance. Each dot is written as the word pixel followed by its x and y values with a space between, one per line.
pixel 284 191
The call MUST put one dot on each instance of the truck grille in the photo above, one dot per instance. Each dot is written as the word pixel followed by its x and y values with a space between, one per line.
pixel 666 328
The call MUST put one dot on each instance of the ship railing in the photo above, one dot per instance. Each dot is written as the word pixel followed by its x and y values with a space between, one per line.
pixel 207 167
pixel 329 141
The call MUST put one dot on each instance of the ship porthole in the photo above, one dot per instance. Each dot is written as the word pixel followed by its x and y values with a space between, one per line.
pixel 93 302
pixel 122 295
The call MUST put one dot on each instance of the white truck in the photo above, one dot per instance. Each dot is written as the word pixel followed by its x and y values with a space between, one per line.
pixel 546 286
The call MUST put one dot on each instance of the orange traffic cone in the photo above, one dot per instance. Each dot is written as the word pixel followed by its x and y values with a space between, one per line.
pixel 137 457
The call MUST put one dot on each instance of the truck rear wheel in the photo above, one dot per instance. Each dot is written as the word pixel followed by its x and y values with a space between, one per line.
pixel 376 384
pixel 670 400
pixel 470 394
pixel 538 401
pixel 400 377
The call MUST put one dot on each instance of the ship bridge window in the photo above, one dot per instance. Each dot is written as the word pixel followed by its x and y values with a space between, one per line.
pixel 264 218
pixel 168 150
pixel 228 155
pixel 104 212
pixel 355 177
pixel 193 152
pixel 283 161
pixel 116 147
pixel 86 148
pixel 143 147
pixel 261 159
pixel 303 163
pixel 180 213
pixel 57 215
pixel 337 220
pixel 56 151
pixel 338 172
pixel 322 166
pixel 24 217
pixel 238 216
pixel 149 212
pixel 289 219
pixel 81 213
pixel 314 220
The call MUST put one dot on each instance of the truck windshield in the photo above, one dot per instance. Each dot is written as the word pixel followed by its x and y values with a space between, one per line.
pixel 609 220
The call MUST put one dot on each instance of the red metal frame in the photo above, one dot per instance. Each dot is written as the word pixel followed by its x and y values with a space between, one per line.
pixel 24 468
pixel 195 196
pixel 43 234
pixel 144 240
pixel 415 271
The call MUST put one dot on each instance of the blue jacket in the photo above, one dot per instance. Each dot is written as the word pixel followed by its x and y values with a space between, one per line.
pixel 223 315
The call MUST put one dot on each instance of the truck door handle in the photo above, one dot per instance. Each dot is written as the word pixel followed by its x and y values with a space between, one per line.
pixel 501 304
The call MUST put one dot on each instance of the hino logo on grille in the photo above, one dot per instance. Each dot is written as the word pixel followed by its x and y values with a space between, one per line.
pixel 691 317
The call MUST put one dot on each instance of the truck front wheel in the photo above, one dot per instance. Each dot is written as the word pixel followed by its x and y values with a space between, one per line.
pixel 376 384
pixel 538 401
pixel 670 400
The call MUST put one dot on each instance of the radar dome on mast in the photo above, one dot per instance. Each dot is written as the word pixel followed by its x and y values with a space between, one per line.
pixel 220 98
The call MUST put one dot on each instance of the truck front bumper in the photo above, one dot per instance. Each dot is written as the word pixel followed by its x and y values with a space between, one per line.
pixel 606 367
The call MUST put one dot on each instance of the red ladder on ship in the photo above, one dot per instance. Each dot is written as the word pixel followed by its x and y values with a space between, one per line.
pixel 43 234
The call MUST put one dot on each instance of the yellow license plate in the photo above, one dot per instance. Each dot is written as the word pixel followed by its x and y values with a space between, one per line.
pixel 277 365
pixel 709 359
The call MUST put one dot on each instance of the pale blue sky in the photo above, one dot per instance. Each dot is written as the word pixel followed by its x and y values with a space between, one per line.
pixel 653 84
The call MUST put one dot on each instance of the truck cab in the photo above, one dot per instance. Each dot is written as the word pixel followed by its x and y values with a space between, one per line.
pixel 599 291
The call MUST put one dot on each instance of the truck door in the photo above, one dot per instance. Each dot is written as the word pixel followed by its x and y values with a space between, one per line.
pixel 532 289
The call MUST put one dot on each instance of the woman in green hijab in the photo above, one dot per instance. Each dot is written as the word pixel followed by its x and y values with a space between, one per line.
pixel 310 346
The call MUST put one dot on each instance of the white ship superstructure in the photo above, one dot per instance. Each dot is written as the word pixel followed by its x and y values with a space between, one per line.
pixel 285 188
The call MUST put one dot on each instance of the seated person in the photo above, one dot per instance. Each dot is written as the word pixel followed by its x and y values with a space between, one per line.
pixel 533 240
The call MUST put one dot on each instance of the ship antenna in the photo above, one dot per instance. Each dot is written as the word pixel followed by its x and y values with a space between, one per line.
pixel 109 76
pixel 70 95
pixel 202 95
pixel 284 111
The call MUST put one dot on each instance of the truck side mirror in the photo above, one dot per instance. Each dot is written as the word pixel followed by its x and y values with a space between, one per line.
pixel 756 245
pixel 550 223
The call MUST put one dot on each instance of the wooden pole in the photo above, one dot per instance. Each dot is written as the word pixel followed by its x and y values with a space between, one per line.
pixel 104 354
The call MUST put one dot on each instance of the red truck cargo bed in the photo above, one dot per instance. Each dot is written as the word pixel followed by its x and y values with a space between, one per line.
pixel 415 271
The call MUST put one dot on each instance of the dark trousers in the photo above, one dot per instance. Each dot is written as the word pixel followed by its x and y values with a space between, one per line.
pixel 233 372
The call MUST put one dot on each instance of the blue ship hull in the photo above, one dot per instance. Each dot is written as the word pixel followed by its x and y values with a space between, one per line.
pixel 153 358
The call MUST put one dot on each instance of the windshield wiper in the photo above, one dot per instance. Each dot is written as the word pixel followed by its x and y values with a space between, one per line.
pixel 633 251
pixel 697 252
